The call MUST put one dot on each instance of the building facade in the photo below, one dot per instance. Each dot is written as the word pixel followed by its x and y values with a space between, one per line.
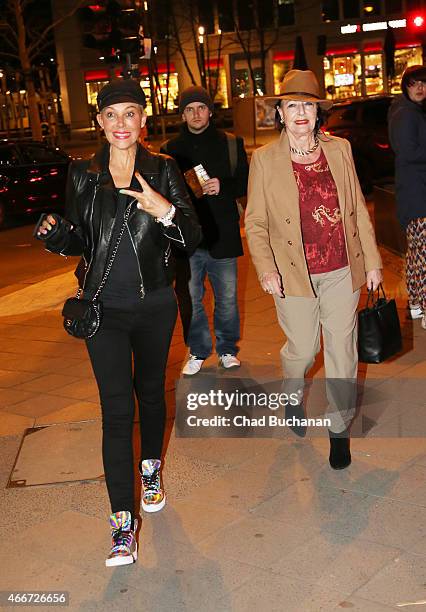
pixel 248 46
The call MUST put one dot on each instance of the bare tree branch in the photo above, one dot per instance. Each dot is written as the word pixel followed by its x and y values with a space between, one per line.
pixel 39 49
pixel 54 24
pixel 178 39
pixel 12 55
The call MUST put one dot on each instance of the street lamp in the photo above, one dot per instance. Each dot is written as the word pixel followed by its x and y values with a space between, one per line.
pixel 201 32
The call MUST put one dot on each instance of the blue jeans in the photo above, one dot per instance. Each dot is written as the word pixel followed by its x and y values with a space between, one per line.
pixel 222 274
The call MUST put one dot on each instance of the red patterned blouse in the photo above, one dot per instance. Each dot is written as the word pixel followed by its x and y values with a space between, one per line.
pixel 321 219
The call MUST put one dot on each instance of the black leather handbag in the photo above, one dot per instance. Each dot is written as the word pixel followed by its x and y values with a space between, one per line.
pixel 379 331
pixel 82 318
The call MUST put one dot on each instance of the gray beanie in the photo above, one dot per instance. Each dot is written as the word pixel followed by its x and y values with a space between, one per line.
pixel 194 94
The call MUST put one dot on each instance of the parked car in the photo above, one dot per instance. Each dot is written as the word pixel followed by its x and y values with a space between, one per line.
pixel 364 123
pixel 32 178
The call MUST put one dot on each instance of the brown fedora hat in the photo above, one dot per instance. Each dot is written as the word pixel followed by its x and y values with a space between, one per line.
pixel 303 85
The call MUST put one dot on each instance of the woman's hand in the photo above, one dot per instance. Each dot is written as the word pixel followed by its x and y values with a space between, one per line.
pixel 47 225
pixel 271 283
pixel 374 278
pixel 149 200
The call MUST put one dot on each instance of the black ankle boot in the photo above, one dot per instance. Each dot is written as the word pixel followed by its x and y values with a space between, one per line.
pixel 340 454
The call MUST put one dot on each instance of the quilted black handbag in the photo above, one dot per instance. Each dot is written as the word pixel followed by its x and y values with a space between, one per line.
pixel 82 318
pixel 379 331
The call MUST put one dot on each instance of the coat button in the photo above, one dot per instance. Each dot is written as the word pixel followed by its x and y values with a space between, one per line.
pixel 354 234
pixel 289 242
pixel 287 220
pixel 292 263
pixel 357 255
pixel 351 213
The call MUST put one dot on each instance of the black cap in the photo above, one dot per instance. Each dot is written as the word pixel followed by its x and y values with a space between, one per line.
pixel 121 90
pixel 194 94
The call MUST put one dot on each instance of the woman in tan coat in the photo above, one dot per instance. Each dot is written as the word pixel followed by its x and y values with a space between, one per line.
pixel 313 245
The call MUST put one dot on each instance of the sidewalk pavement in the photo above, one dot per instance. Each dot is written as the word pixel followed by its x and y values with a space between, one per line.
pixel 250 524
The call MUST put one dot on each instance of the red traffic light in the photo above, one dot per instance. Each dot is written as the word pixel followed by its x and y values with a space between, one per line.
pixel 418 21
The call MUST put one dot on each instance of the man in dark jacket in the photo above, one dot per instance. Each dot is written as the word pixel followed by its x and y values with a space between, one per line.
pixel 221 180
pixel 407 134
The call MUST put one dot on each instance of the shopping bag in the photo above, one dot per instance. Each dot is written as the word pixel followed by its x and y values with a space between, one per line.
pixel 379 331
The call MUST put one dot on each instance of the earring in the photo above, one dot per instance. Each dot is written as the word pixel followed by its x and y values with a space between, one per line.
pixel 282 122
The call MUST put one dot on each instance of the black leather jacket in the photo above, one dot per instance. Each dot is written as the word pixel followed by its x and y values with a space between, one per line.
pixel 90 209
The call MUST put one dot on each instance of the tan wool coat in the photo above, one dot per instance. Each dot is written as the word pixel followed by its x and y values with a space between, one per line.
pixel 272 219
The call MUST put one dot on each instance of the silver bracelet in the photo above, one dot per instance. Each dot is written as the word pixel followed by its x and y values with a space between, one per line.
pixel 168 217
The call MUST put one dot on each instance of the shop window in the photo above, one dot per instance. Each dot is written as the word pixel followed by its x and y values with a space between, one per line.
pixel 217 82
pixel 225 15
pixel 94 87
pixel 330 10
pixel 404 58
pixel 285 12
pixel 350 9
pixel 245 14
pixel 93 90
pixel 373 74
pixel 343 76
pixel 166 92
pixel 393 6
pixel 241 79
pixel 371 7
pixel 280 69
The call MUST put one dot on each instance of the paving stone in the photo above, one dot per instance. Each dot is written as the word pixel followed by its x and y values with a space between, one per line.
pixel 332 560
pixel 256 540
pixel 402 581
pixel 278 593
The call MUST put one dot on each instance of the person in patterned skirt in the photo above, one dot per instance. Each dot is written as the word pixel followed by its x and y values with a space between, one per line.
pixel 407 134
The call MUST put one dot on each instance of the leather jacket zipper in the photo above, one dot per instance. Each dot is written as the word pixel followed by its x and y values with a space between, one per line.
pixel 142 288
pixel 91 225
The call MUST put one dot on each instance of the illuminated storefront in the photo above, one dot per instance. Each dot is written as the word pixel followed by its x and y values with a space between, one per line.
pixel 96 79
pixel 216 75
pixel 403 58
pixel 373 72
pixel 350 72
pixel 283 62
pixel 241 77
pixel 358 67
pixel 343 74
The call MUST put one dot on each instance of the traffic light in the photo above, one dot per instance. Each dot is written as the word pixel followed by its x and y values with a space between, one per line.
pixel 111 29
pixel 97 22
pixel 130 41
pixel 418 21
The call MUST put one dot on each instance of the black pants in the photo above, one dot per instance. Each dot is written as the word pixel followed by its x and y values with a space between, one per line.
pixel 144 332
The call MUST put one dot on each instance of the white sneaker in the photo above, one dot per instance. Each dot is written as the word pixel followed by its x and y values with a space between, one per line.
pixel 192 366
pixel 416 312
pixel 229 361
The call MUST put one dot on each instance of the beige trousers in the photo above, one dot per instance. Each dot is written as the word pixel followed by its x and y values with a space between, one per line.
pixel 334 312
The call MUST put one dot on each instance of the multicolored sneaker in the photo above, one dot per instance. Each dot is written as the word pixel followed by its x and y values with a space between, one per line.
pixel 124 548
pixel 153 496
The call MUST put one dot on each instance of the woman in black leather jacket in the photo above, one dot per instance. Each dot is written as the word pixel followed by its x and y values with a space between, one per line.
pixel 139 306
